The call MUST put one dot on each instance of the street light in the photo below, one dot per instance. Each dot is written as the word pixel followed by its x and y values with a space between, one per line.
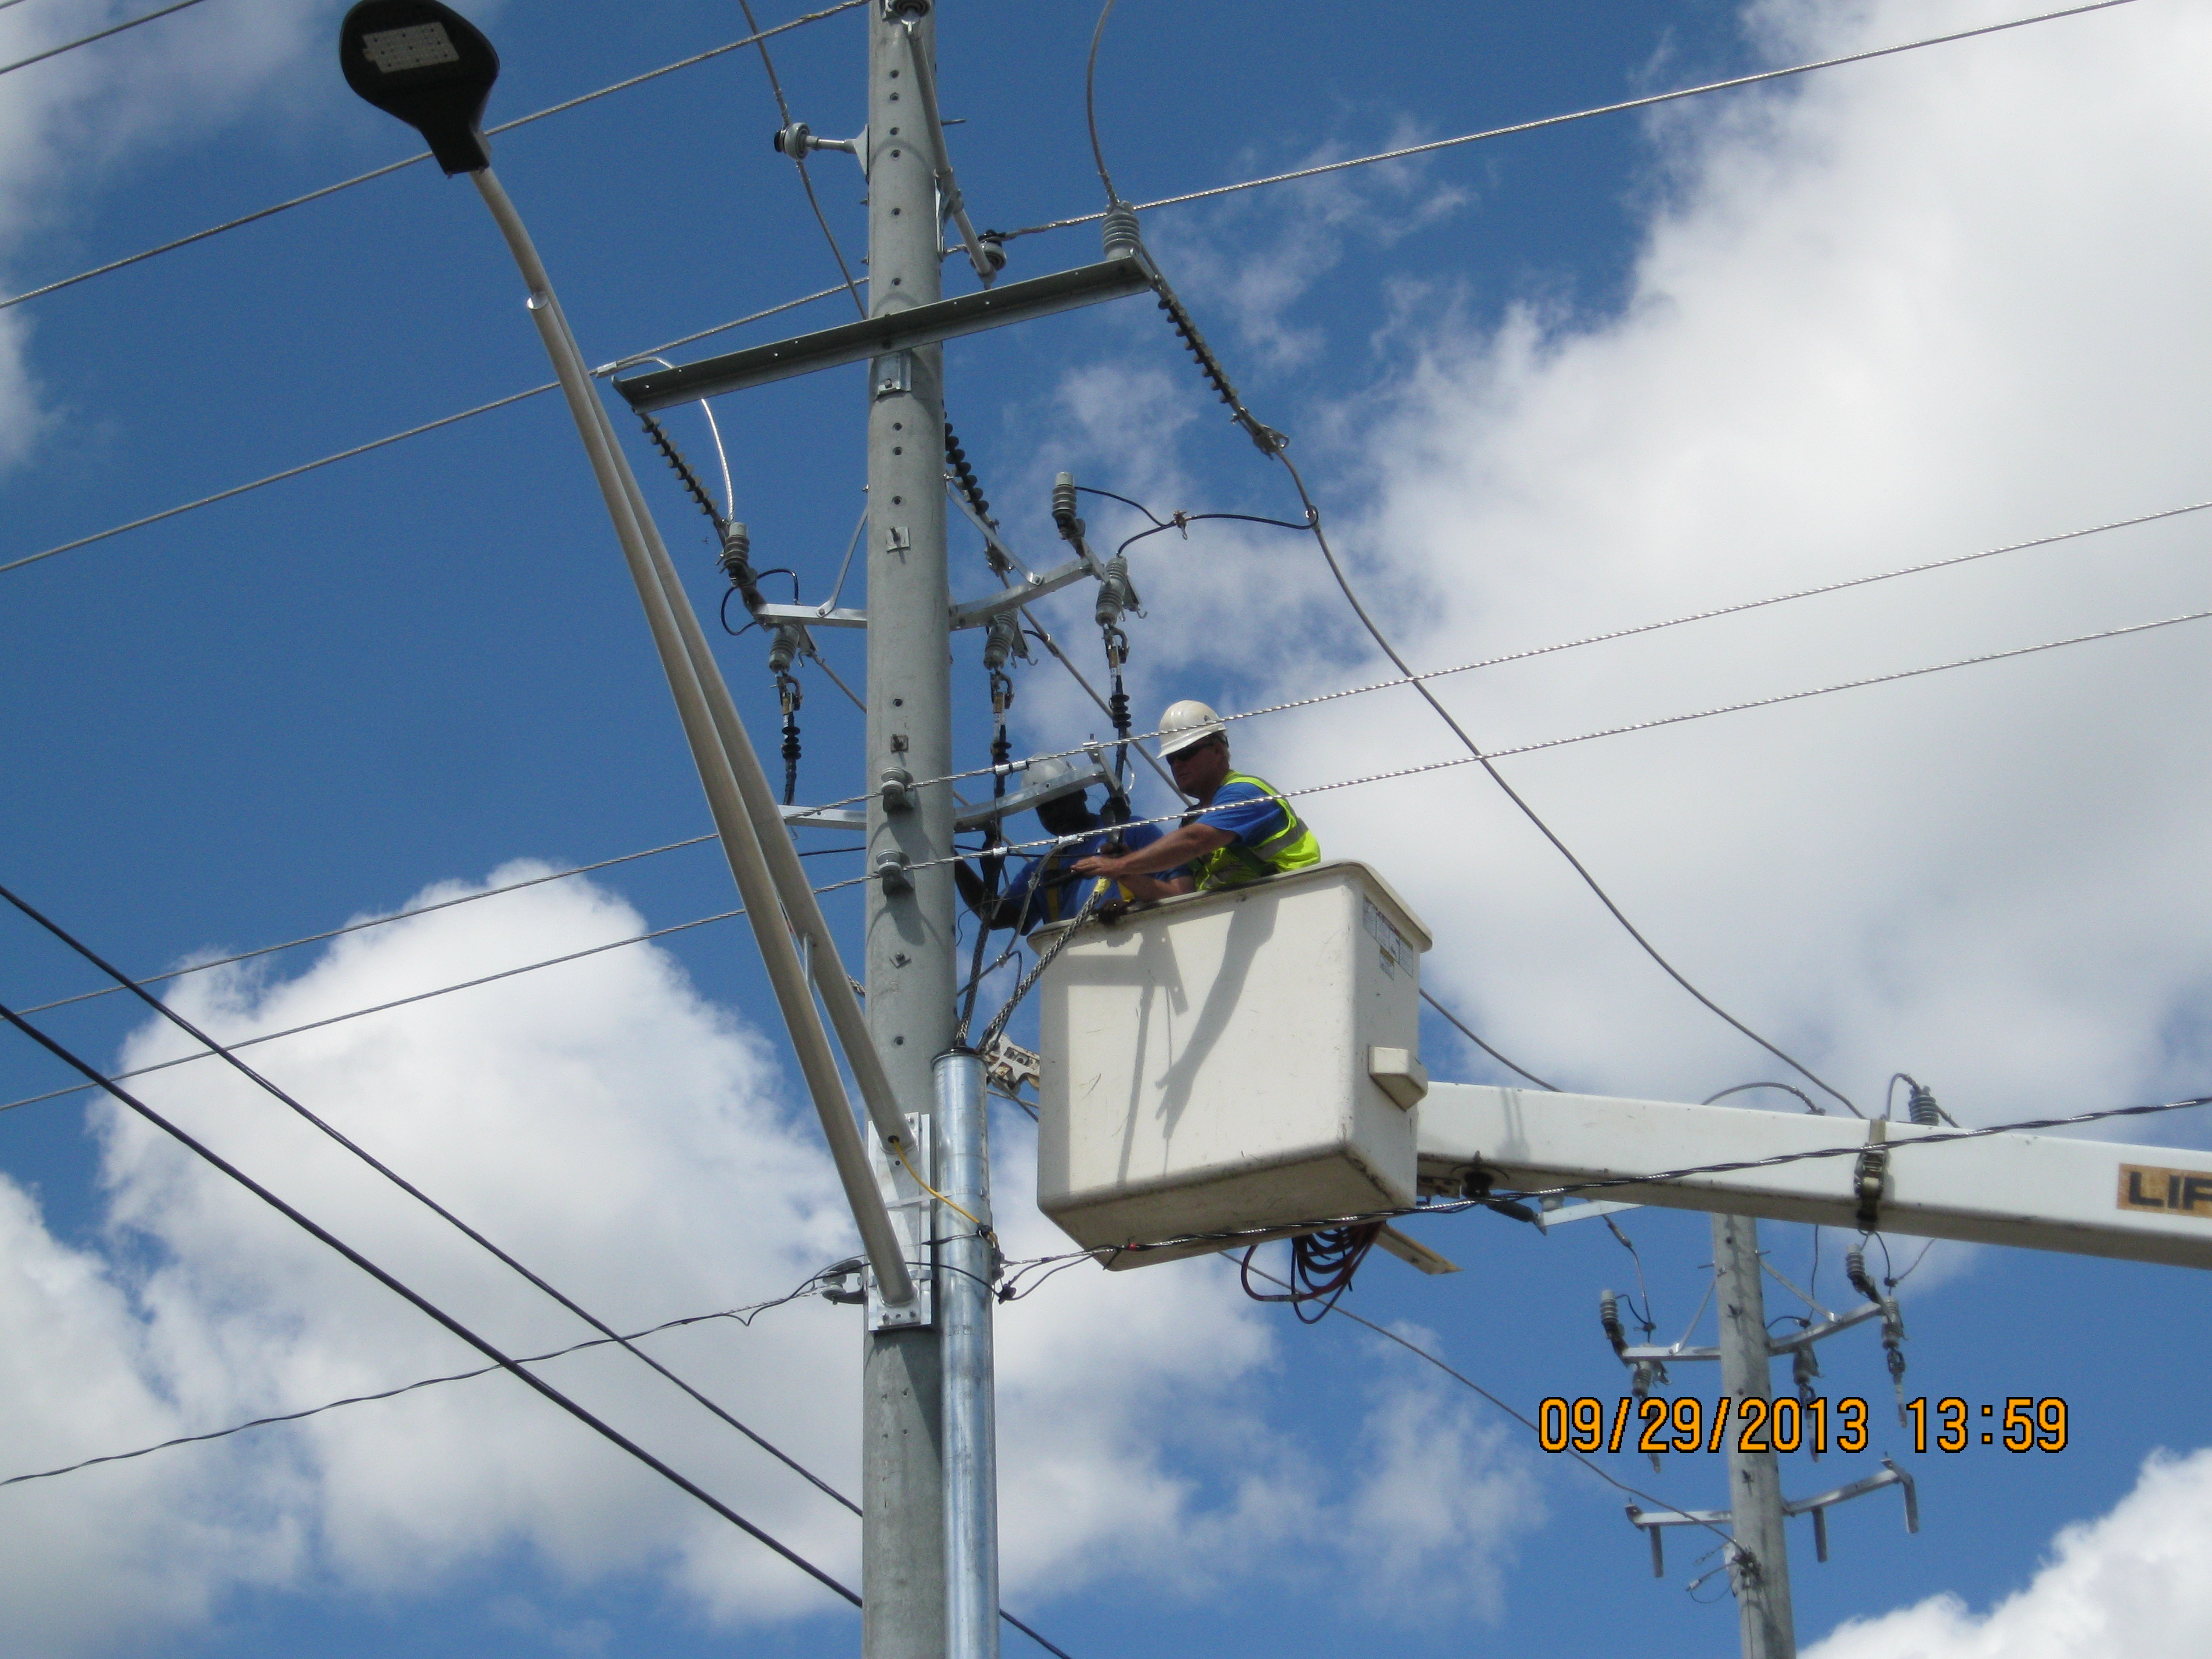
pixel 430 67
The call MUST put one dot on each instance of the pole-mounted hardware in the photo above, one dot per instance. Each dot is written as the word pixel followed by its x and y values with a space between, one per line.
pixel 891 868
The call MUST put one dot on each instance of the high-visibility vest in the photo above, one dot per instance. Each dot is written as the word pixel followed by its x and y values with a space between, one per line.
pixel 1291 848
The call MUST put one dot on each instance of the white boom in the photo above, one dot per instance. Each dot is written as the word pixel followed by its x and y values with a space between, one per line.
pixel 2040 1191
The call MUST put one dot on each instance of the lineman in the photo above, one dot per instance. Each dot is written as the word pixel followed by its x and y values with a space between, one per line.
pixel 1241 831
pixel 1048 888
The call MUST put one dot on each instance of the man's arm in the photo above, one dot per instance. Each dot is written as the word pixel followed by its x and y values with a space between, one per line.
pixel 1179 845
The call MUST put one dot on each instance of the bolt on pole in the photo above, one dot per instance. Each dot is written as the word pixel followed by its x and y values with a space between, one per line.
pixel 1759 1568
pixel 910 945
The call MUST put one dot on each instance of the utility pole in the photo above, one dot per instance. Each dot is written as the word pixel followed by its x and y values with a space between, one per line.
pixel 910 945
pixel 1760 1565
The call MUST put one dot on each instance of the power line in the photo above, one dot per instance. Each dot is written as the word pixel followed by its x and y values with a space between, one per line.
pixel 397 1002
pixel 1577 115
pixel 420 155
pixel 86 41
pixel 1465 1031
pixel 397 437
pixel 471 1234
pixel 375 921
pixel 422 1303
pixel 743 1316
pixel 1611 635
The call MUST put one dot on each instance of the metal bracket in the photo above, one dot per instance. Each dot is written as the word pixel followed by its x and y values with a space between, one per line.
pixel 1022 800
pixel 913 1219
pixel 891 373
pixel 1867 1175
pixel 1818 1507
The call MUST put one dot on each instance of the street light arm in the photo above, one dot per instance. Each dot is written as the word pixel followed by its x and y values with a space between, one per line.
pixel 714 744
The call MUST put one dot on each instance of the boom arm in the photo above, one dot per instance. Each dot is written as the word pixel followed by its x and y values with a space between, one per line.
pixel 2040 1191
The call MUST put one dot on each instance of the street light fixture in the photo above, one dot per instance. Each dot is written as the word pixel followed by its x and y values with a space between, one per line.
pixel 430 67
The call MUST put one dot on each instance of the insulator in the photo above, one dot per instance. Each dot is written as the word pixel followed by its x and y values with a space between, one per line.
pixel 1063 505
pixel 737 565
pixel 1923 1108
pixel 789 642
pixel 1854 1270
pixel 1116 594
pixel 1002 640
pixel 1120 230
pixel 1608 1314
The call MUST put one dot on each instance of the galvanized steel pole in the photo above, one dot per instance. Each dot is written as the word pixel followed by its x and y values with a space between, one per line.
pixel 1760 1568
pixel 910 944
pixel 965 1309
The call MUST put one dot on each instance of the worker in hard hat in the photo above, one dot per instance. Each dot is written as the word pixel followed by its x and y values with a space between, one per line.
pixel 1242 831
pixel 1048 888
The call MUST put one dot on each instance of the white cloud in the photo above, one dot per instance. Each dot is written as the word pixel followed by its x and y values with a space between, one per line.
pixel 635 1145
pixel 2129 1582
pixel 71 126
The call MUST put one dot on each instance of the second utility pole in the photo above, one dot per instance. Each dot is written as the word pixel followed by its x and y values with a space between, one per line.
pixel 910 947
pixel 1760 1566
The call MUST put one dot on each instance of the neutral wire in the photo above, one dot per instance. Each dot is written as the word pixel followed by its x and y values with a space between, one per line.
pixel 1624 105
pixel 395 437
pixel 86 41
pixel 423 1304
pixel 420 155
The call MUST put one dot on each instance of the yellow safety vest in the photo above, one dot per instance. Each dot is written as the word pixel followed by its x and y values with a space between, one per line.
pixel 1291 848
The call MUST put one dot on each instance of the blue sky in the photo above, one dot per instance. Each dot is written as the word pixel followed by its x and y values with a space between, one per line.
pixel 1557 384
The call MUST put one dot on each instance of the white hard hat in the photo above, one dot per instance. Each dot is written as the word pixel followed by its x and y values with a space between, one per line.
pixel 1186 725
pixel 1040 774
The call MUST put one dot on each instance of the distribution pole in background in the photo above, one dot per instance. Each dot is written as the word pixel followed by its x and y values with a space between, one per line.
pixel 910 947
pixel 1761 1567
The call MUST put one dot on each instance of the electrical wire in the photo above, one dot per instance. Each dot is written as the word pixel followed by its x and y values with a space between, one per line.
pixel 742 1316
pixel 471 1234
pixel 1619 731
pixel 1462 1028
pixel 1090 104
pixel 375 921
pixel 1612 634
pixel 393 438
pixel 1467 1381
pixel 420 155
pixel 1620 107
pixel 399 1002
pixel 102 34
pixel 783 109
pixel 421 1304
pixel 1811 1105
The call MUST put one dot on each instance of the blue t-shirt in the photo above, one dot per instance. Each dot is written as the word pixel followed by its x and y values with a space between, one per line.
pixel 1060 891
pixel 1246 812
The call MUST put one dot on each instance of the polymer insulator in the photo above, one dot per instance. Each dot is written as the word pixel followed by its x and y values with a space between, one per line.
pixel 1116 594
pixel 1923 1107
pixel 737 565
pixel 1608 1314
pixel 1063 506
pixel 1001 641
pixel 964 476
pixel 790 642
